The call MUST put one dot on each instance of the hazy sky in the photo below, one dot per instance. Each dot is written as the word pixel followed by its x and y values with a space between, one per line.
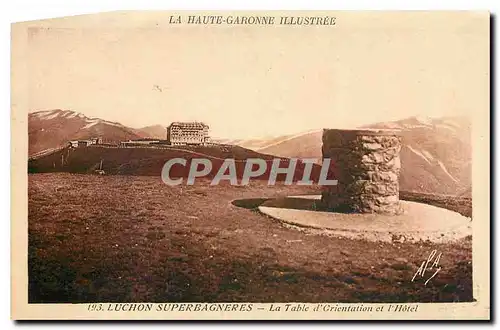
pixel 251 81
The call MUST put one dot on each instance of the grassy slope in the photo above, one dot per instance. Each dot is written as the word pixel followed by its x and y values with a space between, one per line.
pixel 150 161
pixel 131 238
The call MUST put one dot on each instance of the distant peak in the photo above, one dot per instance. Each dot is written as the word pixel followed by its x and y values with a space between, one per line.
pixel 422 120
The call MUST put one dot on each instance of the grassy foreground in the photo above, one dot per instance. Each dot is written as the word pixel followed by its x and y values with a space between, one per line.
pixel 134 239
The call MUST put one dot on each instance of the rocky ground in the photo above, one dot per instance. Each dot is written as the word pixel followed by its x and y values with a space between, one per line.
pixel 134 239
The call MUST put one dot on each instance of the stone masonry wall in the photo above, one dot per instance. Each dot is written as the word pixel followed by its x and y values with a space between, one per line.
pixel 367 166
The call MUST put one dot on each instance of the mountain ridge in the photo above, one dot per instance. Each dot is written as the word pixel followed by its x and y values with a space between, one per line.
pixel 52 128
pixel 436 153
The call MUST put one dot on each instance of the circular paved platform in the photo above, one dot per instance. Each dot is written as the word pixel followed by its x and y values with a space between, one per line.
pixel 418 222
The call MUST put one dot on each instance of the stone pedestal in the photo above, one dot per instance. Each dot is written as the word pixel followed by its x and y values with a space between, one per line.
pixel 366 164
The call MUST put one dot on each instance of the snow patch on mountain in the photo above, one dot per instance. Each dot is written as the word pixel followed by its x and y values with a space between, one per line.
pixel 446 171
pixel 447 126
pixel 91 123
pixel 420 153
pixel 425 121
pixel 288 139
pixel 113 124
pixel 451 123
pixel 393 125
pixel 73 115
pixel 427 154
pixel 95 121
pixel 53 114
pixel 41 114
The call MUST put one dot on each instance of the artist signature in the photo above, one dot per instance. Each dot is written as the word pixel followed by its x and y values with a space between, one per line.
pixel 433 261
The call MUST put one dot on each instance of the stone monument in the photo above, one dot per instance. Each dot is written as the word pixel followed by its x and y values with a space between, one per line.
pixel 366 164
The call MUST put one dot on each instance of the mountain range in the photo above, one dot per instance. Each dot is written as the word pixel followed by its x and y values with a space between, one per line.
pixel 435 156
pixel 53 128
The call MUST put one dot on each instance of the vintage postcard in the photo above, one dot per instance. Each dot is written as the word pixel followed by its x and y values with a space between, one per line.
pixel 251 165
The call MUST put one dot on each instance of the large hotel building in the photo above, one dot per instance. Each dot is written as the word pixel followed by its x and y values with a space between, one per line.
pixel 187 133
